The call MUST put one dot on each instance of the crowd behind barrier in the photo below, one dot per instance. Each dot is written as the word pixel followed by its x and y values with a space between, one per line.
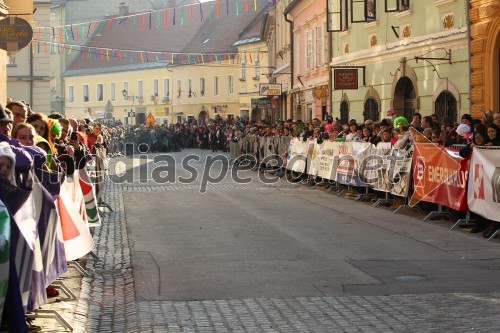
pixel 48 206
pixel 51 176
pixel 436 164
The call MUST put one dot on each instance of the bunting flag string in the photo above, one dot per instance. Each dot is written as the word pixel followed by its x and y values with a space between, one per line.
pixel 108 22
pixel 146 56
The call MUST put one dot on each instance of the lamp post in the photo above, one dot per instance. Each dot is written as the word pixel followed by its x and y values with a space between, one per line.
pixel 125 94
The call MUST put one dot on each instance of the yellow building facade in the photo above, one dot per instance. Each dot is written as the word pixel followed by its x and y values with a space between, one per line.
pixel 124 94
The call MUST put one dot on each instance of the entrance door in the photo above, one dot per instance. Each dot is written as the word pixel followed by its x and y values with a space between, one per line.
pixel 255 114
pixel 446 106
pixel 405 101
pixel 202 117
pixel 140 118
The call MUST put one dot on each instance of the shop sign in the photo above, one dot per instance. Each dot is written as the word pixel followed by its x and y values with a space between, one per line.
pixel 345 79
pixel 268 89
pixel 15 34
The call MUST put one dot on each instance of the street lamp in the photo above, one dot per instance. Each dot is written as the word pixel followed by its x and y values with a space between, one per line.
pixel 125 94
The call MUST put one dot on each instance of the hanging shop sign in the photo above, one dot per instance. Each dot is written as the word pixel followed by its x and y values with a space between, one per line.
pixel 268 89
pixel 15 34
pixel 345 79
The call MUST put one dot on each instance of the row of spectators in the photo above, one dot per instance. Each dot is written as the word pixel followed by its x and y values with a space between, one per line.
pixel 35 147
pixel 392 129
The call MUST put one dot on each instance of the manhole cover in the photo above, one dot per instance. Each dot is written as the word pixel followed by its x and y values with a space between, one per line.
pixel 410 278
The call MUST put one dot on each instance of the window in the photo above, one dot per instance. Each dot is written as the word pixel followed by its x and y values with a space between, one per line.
pixel 230 89
pixel 179 88
pixel 140 89
pixel 166 87
pixel 297 51
pixel 243 71
pixel 344 112
pixel 71 94
pixel 371 109
pixel 257 69
pixel 156 84
pixel 309 50
pixel 396 5
pixel 337 15
pixel 86 93
pixel 113 92
pixel 202 86
pixel 319 46
pixel 216 86
pixel 363 11
pixel 127 93
pixel 100 92
pixel 446 106
pixel 190 88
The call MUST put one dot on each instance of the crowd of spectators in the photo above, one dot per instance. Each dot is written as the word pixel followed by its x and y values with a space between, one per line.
pixel 39 143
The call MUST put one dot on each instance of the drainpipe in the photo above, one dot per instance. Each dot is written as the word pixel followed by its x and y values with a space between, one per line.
pixel 31 79
pixel 469 38
pixel 330 79
pixel 292 110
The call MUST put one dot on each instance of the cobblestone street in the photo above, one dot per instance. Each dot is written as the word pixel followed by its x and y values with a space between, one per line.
pixel 111 298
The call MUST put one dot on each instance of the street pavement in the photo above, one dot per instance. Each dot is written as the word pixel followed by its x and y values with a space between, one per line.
pixel 278 257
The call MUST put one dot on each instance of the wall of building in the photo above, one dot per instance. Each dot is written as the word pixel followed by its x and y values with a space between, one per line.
pixel 309 18
pixel 121 106
pixel 29 69
pixel 389 58
pixel 485 60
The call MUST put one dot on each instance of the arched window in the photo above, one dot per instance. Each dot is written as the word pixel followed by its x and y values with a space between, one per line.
pixel 371 109
pixel 344 112
pixel 446 106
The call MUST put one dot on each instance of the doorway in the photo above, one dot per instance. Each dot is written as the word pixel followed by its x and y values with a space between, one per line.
pixel 446 106
pixel 405 101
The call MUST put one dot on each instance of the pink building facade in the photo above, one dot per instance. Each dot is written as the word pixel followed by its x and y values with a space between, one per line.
pixel 310 84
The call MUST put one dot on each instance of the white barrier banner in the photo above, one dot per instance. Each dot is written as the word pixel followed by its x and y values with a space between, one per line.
pixel 351 156
pixel 298 156
pixel 382 184
pixel 484 183
pixel 401 177
pixel 312 153
pixel 325 160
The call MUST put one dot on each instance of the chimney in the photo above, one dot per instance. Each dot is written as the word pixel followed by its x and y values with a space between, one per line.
pixel 123 9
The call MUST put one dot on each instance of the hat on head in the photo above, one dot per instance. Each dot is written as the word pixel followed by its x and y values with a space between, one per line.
pixel 400 120
pixel 6 151
pixel 385 122
pixel 468 117
pixel 464 130
pixel 4 116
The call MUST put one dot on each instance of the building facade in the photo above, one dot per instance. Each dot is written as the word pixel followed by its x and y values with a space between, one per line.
pixel 28 70
pixel 485 55
pixel 23 9
pixel 278 37
pixel 399 61
pixel 311 59
pixel 198 76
